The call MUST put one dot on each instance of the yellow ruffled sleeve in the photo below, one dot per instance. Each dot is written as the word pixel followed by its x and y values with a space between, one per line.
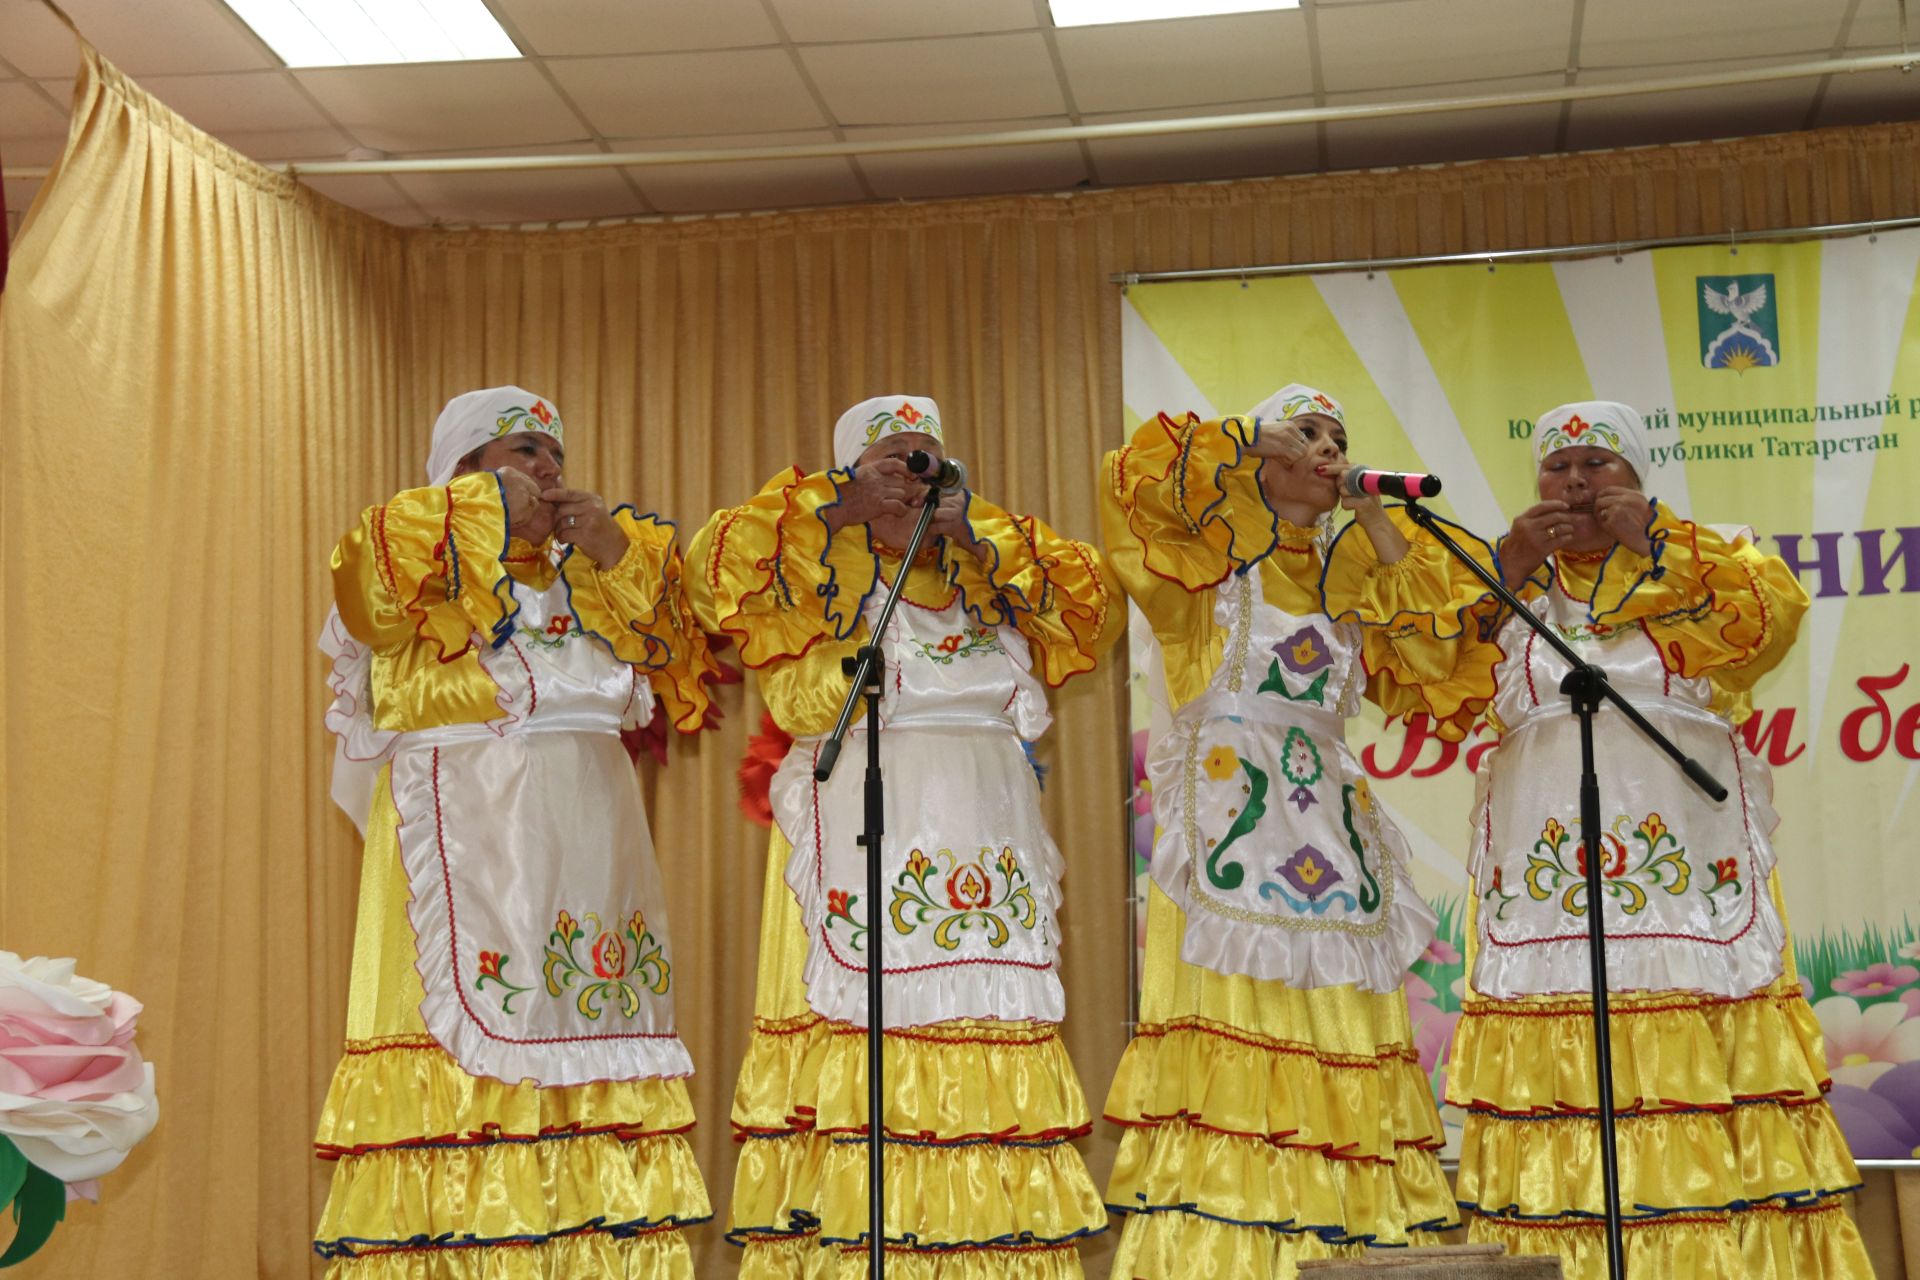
pixel 1188 494
pixel 1425 622
pixel 638 608
pixel 770 576
pixel 1050 588
pixel 1714 603
pixel 428 563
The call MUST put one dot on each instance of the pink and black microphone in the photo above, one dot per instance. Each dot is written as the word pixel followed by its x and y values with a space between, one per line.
pixel 1363 482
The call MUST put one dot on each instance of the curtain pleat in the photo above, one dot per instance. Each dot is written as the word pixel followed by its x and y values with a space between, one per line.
pixel 206 371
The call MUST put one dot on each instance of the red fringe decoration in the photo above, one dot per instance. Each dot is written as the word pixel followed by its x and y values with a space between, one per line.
pixel 765 750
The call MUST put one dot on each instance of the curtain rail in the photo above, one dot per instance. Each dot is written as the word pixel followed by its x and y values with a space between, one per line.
pixel 1092 132
pixel 1491 257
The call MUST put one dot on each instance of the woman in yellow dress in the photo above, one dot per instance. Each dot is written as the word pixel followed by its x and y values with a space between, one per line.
pixel 1274 1105
pixel 1731 1163
pixel 511 1102
pixel 982 1177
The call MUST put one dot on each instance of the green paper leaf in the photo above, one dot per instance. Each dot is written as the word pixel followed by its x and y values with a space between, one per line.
pixel 13 1170
pixel 37 1210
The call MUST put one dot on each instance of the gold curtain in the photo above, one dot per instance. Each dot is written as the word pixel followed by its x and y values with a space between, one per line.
pixel 206 371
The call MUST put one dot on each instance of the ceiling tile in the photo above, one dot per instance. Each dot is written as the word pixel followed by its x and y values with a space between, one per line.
pixel 1184 157
pixel 20 194
pixel 825 21
pixel 1418 42
pixel 360 190
pixel 34 152
pixel 754 184
pixel 1139 65
pixel 253 100
pixel 537 196
pixel 995 77
pixel 556 27
pixel 1869 97
pixel 1648 33
pixel 1690 115
pixel 34 42
pixel 739 91
pixel 272 145
pixel 743 185
pixel 26 113
pixel 1877 22
pixel 165 37
pixel 1442 136
pixel 442 105
pixel 1046 166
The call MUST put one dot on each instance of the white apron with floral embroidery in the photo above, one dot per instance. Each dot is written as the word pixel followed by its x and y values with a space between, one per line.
pixel 1269 836
pixel 968 927
pixel 537 909
pixel 1686 905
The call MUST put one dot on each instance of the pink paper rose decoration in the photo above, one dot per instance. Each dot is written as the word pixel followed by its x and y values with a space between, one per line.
pixel 74 1093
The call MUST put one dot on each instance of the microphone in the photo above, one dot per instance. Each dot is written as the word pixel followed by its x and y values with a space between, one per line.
pixel 1362 482
pixel 947 474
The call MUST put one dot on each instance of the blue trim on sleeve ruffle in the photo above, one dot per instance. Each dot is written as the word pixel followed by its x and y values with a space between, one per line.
pixel 1657 538
pixel 843 624
pixel 1351 615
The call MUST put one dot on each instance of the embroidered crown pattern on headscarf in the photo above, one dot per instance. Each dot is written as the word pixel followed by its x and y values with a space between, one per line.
pixel 1296 400
pixel 477 417
pixel 1598 424
pixel 875 418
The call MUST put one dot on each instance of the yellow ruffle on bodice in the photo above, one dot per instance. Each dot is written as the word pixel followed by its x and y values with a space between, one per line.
pixel 437 1173
pixel 768 575
pixel 428 571
pixel 982 1179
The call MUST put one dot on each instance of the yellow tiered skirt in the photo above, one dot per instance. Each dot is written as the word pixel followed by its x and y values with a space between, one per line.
pixel 1731 1162
pixel 982 1178
pixel 440 1175
pixel 1266 1125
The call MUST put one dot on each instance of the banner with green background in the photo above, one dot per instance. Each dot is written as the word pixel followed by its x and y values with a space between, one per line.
pixel 1781 388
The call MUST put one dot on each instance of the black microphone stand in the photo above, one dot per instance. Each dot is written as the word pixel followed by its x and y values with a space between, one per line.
pixel 1587 686
pixel 868 670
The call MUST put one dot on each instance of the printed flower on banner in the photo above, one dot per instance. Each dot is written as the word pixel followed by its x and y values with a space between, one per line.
pixel 1432 1026
pixel 1221 762
pixel 1304 652
pixel 1882 1122
pixel 1865 1044
pixel 1911 999
pixel 1909 952
pixel 1876 980
pixel 1309 872
pixel 1440 951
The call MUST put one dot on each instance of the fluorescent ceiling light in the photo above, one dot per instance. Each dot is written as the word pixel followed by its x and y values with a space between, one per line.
pixel 1088 13
pixel 341 33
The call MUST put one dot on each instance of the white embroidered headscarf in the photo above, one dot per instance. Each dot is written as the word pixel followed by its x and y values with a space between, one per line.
pixel 1603 424
pixel 870 420
pixel 1296 401
pixel 471 420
